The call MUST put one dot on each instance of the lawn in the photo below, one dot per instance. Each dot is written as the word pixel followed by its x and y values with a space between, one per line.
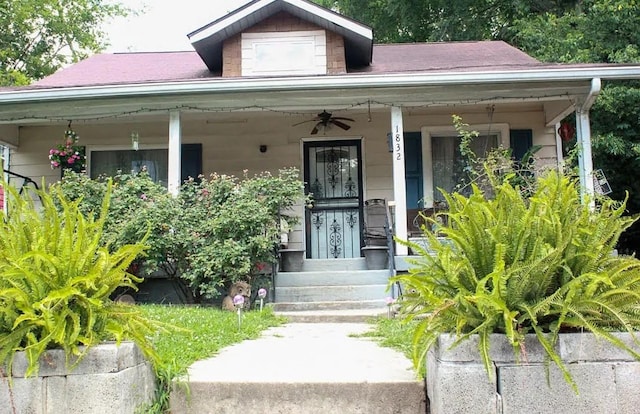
pixel 195 333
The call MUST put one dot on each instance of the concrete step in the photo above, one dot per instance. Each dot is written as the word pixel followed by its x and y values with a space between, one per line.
pixel 332 278
pixel 324 265
pixel 335 316
pixel 302 368
pixel 329 305
pixel 331 293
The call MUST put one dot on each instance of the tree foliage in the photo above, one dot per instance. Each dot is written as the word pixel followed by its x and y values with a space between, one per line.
pixel 40 36
pixel 442 20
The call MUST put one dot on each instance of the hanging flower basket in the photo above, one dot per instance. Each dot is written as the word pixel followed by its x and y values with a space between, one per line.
pixel 69 155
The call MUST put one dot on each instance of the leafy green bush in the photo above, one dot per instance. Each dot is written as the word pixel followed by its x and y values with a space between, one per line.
pixel 218 230
pixel 137 206
pixel 518 265
pixel 56 277
pixel 232 226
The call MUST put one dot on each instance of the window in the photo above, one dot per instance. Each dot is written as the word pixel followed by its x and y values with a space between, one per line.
pixel 109 162
pixel 284 53
pixel 441 159
pixel 447 162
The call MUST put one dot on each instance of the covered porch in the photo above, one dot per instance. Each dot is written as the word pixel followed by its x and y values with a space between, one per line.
pixel 263 124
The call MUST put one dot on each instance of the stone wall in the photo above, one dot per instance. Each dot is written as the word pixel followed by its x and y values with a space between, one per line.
pixel 110 379
pixel 607 377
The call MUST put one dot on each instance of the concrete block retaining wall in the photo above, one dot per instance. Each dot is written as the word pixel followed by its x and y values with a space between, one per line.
pixel 607 377
pixel 110 379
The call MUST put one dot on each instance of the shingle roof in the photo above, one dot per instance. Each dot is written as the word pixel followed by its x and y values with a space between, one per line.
pixel 150 67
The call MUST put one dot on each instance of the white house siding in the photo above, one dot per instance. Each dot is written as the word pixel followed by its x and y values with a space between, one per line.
pixel 231 141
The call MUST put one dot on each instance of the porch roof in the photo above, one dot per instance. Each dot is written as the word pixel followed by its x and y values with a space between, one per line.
pixel 426 74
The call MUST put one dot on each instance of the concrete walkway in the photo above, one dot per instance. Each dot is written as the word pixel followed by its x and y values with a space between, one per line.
pixel 304 368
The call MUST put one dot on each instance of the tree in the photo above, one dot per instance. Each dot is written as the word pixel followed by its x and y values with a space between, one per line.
pixel 41 36
pixel 443 20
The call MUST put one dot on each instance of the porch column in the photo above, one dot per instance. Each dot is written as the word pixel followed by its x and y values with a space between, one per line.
pixel 399 184
pixel 583 135
pixel 175 145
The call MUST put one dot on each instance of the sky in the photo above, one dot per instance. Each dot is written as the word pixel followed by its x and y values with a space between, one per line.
pixel 163 25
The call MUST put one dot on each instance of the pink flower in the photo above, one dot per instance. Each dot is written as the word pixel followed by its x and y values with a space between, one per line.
pixel 52 151
pixel 62 154
pixel 55 163
pixel 71 160
pixel 143 196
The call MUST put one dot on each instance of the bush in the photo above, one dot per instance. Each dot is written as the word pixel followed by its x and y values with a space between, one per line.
pixel 218 230
pixel 56 277
pixel 232 226
pixel 517 265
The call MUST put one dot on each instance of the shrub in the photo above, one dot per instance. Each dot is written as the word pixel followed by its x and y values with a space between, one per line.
pixel 218 230
pixel 232 226
pixel 518 265
pixel 56 277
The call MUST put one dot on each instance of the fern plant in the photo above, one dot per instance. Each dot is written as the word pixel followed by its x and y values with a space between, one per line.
pixel 517 265
pixel 56 279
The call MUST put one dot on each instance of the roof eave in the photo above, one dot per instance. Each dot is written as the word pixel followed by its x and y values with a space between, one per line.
pixel 318 83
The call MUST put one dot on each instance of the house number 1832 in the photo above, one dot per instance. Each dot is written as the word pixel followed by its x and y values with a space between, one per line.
pixel 397 147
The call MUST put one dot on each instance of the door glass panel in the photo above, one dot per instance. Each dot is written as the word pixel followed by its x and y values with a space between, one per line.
pixel 333 175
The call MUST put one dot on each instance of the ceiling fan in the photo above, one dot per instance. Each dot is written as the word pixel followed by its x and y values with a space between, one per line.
pixel 324 118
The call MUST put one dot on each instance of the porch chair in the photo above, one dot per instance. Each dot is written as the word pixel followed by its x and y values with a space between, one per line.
pixel 376 222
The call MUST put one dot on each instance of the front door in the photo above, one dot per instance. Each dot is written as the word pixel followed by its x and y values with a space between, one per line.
pixel 333 174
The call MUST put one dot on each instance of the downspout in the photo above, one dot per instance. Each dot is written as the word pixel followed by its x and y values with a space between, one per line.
pixel 583 131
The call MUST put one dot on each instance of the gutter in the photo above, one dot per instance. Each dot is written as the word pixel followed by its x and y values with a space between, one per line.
pixel 352 81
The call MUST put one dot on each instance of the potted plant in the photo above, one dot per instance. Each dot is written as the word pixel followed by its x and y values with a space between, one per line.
pixel 56 315
pixel 522 308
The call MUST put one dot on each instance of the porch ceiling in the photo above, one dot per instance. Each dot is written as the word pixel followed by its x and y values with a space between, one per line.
pixel 558 98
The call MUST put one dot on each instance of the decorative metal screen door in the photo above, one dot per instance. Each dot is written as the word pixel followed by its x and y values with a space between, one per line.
pixel 333 175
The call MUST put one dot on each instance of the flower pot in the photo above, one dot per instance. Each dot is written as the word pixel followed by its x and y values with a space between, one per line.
pixel 109 379
pixel 292 259
pixel 376 257
pixel 606 376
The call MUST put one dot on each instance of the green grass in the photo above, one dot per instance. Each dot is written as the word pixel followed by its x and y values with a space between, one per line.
pixel 195 333
pixel 397 334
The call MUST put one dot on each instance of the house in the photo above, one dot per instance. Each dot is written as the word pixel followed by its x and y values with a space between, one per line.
pixel 280 83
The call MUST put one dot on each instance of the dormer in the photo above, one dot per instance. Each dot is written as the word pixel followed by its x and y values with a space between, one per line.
pixel 283 38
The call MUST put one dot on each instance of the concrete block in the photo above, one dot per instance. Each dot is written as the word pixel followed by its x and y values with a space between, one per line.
pixel 459 388
pixel 26 396
pixel 607 377
pixel 107 357
pixel 500 350
pixel 109 379
pixel 119 392
pixel 576 347
pixel 524 389
pixel 627 377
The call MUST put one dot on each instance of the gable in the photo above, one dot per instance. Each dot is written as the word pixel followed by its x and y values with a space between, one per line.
pixel 209 40
pixel 284 27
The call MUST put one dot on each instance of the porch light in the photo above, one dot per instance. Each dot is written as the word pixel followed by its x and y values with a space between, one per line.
pixel 135 140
